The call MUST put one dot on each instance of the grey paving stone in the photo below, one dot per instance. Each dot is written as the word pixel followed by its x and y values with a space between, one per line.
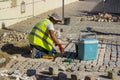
pixel 108 50
pixel 17 65
pixel 118 58
pixel 72 64
pixel 74 68
pixel 62 76
pixel 11 71
pixel 14 67
pixel 53 70
pixel 88 66
pixel 12 63
pixel 24 65
pixel 74 77
pixel 116 70
pixel 94 62
pixel 30 63
pixel 100 62
pixel 112 63
pixel 28 66
pixel 88 62
pixel 33 77
pixel 89 70
pixel 58 60
pixel 66 63
pixel 69 66
pixel 107 58
pixel 105 62
pixel 95 68
pixel 31 72
pixel 102 68
pixel 83 62
pixel 63 68
pixel 103 49
pixel 81 68
pixel 118 48
pixel 78 64
pixel 118 54
pixel 114 47
pixel 109 47
pixel 118 63
pixel 43 66
pixel 114 54
pixel 109 68
pixel 114 59
pixel 89 77
pixel 76 61
pixel 101 57
pixel 34 66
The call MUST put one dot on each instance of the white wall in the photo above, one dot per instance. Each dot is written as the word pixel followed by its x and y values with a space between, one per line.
pixel 11 15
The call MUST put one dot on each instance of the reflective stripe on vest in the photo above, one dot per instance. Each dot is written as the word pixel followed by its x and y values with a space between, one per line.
pixel 40 35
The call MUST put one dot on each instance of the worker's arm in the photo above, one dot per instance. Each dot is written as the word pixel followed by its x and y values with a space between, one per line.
pixel 54 38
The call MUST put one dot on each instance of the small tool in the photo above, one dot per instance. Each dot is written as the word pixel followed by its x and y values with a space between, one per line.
pixel 61 54
pixel 68 60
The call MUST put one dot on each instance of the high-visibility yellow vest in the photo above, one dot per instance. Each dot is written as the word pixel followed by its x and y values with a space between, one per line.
pixel 40 35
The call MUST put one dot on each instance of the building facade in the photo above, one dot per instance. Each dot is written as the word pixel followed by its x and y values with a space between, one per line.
pixel 13 11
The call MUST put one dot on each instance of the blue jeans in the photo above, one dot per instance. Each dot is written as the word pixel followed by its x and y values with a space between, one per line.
pixel 40 51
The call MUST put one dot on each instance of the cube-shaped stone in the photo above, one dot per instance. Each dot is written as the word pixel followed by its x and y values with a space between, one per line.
pixel 53 70
pixel 74 77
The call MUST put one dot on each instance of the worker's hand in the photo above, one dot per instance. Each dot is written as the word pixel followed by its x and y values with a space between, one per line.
pixel 61 48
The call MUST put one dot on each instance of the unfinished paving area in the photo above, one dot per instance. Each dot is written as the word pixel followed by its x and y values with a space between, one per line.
pixel 108 57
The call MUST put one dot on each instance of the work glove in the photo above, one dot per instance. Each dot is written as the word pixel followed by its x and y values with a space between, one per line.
pixel 61 48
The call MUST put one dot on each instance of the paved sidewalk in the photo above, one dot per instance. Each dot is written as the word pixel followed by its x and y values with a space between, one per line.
pixel 108 57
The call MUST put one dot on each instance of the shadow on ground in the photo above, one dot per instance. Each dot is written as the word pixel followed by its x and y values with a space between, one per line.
pixel 104 76
pixel 102 33
pixel 25 51
pixel 72 55
pixel 44 75
pixel 109 6
pixel 12 49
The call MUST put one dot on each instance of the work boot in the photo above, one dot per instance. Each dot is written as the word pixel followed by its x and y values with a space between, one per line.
pixel 39 54
pixel 48 56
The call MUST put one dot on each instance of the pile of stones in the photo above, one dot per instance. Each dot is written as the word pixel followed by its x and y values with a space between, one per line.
pixel 31 75
pixel 101 17
pixel 12 36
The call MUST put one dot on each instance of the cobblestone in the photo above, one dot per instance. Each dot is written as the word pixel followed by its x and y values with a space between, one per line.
pixel 118 63
pixel 62 76
pixel 53 70
pixel 102 68
pixel 89 77
pixel 74 77
pixel 108 55
pixel 95 68
pixel 103 63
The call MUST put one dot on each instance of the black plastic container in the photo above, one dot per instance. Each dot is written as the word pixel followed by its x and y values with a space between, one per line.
pixel 66 21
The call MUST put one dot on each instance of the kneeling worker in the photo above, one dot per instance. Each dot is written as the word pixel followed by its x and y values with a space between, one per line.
pixel 42 37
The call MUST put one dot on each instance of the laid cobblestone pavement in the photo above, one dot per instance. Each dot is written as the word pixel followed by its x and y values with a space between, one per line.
pixel 108 57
